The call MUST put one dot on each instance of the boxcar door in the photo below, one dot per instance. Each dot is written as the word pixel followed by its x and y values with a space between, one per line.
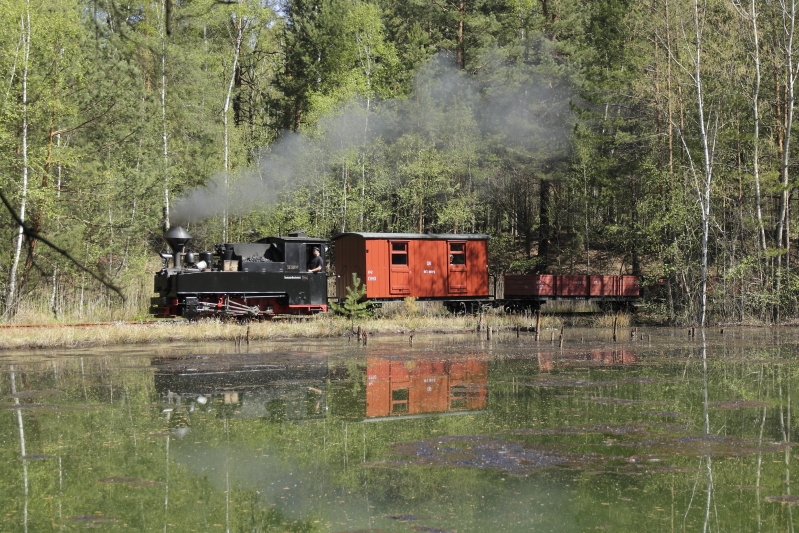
pixel 456 277
pixel 399 271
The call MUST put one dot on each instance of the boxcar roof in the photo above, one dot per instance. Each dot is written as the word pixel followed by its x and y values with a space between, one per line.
pixel 309 240
pixel 415 236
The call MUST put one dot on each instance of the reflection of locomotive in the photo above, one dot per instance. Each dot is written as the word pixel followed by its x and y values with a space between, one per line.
pixel 282 388
pixel 271 276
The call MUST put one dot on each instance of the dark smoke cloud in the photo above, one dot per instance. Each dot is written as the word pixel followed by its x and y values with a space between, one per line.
pixel 532 113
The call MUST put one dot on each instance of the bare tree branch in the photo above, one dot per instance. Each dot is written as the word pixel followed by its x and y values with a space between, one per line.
pixel 30 233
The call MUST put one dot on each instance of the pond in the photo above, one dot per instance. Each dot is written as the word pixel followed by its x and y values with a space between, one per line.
pixel 658 432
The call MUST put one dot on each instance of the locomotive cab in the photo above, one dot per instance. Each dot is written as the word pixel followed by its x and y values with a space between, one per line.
pixel 262 279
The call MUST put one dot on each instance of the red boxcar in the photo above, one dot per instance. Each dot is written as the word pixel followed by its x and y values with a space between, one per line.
pixel 425 266
pixel 395 387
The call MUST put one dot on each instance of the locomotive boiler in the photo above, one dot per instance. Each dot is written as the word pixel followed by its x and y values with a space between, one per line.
pixel 249 280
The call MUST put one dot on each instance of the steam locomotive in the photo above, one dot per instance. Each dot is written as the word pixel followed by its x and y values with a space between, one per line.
pixel 260 279
pixel 271 276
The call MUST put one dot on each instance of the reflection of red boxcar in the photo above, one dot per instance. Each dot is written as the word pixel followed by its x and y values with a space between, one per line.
pixel 425 266
pixel 415 387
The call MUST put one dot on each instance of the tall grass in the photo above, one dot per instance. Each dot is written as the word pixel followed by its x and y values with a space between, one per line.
pixel 320 326
pixel 72 298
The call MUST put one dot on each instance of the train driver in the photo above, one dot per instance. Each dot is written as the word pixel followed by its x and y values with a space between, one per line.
pixel 316 261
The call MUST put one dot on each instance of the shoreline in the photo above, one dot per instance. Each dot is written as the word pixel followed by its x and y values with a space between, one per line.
pixel 143 333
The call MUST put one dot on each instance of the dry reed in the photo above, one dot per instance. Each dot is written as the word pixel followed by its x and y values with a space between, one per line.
pixel 400 321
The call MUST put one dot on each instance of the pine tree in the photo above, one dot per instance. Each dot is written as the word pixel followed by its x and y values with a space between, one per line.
pixel 352 306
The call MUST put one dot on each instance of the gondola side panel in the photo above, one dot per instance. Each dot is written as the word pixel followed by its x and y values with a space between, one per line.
pixel 630 286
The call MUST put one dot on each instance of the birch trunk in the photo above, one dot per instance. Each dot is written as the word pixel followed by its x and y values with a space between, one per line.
pixel 707 136
pixel 788 26
pixel 11 299
pixel 751 16
pixel 365 58
pixel 707 153
pixel 238 25
pixel 164 136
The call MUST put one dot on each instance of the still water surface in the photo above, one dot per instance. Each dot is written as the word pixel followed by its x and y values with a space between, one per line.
pixel 660 432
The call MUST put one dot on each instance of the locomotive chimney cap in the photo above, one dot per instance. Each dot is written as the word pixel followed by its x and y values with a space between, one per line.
pixel 177 237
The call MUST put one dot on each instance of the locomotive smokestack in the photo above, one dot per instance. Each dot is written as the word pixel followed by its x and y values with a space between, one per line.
pixel 176 238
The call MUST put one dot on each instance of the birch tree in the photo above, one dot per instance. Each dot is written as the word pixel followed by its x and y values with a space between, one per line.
pixel 25 29
pixel 788 8
pixel 238 25
pixel 162 94
pixel 750 14
pixel 701 171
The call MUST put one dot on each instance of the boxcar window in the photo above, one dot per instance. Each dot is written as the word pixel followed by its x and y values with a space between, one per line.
pixel 399 401
pixel 399 253
pixel 457 253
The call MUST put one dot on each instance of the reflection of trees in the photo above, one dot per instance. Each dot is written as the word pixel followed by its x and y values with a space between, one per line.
pixel 785 429
pixel 23 454
pixel 85 437
pixel 129 437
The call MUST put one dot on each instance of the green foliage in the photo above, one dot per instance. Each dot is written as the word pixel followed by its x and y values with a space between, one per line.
pixel 353 305
pixel 567 131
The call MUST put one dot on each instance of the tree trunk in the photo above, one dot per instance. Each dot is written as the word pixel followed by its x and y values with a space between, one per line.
pixel 459 59
pixel 545 225
pixel 239 26
pixel 164 136
pixel 11 299
pixel 789 24
pixel 756 141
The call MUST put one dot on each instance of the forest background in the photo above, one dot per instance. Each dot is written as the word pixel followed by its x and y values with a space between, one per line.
pixel 609 136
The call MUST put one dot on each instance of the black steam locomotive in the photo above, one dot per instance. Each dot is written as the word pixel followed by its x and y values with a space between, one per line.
pixel 260 279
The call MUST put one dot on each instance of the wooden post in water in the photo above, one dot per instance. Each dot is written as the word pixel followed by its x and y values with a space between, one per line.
pixel 537 323
pixel 248 334
pixel 561 336
pixel 517 331
pixel 615 322
pixel 488 333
